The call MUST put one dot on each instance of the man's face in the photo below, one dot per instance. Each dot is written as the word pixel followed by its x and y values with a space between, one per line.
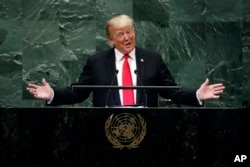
pixel 123 39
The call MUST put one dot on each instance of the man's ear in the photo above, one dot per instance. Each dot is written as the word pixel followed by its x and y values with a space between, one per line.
pixel 111 42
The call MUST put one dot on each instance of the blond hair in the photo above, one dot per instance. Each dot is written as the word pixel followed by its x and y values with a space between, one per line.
pixel 118 22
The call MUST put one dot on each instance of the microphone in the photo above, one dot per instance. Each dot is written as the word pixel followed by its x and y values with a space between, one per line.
pixel 145 93
pixel 112 82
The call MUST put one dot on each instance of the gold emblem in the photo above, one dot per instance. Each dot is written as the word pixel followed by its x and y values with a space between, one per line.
pixel 125 130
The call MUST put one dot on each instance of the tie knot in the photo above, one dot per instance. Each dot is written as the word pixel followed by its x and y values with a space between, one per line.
pixel 126 56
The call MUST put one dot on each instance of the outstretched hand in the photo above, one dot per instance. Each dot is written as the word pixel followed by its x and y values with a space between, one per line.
pixel 43 91
pixel 213 91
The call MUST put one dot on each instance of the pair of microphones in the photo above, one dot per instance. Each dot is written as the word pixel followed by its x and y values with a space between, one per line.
pixel 112 83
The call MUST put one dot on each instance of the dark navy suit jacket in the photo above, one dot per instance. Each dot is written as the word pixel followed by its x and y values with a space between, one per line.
pixel 100 70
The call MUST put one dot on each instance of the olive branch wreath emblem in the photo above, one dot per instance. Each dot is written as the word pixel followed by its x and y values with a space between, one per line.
pixel 117 143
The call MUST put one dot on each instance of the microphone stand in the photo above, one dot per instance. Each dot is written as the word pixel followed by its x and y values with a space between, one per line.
pixel 109 90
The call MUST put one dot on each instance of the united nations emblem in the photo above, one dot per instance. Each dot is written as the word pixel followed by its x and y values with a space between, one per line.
pixel 125 130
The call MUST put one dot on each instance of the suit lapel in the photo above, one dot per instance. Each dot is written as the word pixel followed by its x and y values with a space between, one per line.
pixel 111 69
pixel 140 73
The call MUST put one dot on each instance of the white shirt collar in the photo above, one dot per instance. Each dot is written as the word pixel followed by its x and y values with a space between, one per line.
pixel 119 55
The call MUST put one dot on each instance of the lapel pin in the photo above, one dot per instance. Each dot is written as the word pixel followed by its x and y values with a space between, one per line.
pixel 142 60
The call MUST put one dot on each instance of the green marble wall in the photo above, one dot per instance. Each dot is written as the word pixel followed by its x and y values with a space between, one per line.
pixel 53 38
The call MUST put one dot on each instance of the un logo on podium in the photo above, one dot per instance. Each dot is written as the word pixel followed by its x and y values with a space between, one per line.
pixel 125 130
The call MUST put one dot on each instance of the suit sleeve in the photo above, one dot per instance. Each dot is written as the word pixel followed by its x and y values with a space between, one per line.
pixel 183 95
pixel 69 95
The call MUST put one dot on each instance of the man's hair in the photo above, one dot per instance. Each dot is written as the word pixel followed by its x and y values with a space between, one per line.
pixel 117 22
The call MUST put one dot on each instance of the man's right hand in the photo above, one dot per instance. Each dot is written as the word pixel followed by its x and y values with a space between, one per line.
pixel 44 91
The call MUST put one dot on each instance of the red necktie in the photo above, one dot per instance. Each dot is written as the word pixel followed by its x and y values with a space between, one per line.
pixel 128 94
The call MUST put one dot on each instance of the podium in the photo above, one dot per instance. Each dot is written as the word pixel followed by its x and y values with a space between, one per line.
pixel 86 137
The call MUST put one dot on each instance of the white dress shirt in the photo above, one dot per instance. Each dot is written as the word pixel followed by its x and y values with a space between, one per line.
pixel 119 64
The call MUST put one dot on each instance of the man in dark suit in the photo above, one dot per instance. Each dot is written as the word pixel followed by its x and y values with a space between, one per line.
pixel 106 68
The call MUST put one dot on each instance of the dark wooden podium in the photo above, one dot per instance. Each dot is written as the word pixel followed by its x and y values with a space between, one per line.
pixel 113 137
